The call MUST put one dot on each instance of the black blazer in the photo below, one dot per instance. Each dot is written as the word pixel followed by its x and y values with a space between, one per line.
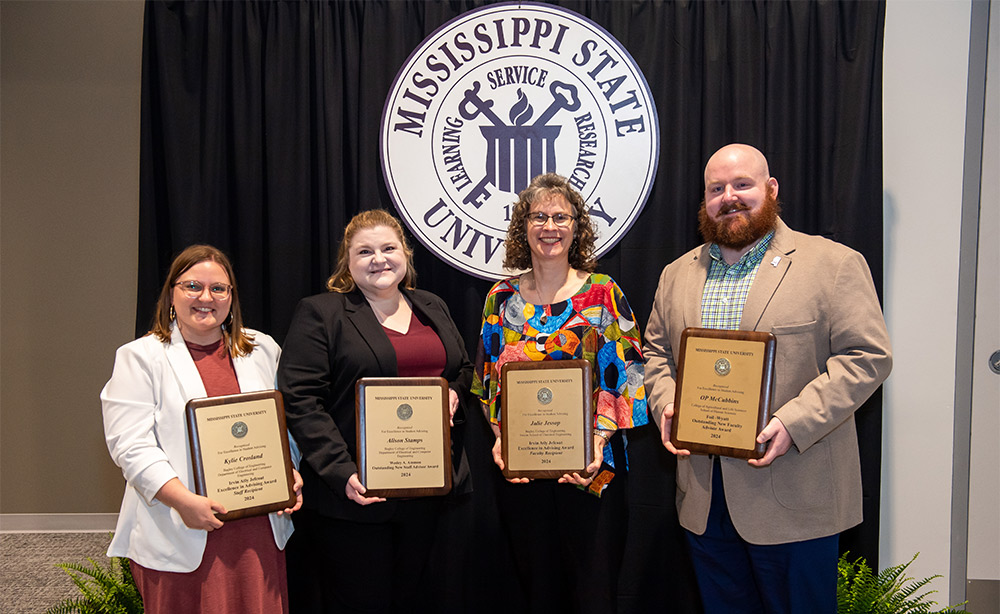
pixel 333 340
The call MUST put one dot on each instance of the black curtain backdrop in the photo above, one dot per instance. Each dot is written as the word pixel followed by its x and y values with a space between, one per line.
pixel 260 132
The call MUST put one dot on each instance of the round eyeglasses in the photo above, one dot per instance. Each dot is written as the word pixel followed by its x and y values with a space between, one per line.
pixel 194 289
pixel 559 219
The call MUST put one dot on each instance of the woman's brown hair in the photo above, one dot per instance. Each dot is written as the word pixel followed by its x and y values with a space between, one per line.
pixel 341 280
pixel 236 338
pixel 581 251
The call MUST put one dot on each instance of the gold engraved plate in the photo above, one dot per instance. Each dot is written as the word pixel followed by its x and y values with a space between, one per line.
pixel 404 444
pixel 723 396
pixel 240 452
pixel 546 418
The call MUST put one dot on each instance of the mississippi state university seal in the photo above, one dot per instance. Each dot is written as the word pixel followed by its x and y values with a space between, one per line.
pixel 404 412
pixel 499 95
pixel 723 367
pixel 239 429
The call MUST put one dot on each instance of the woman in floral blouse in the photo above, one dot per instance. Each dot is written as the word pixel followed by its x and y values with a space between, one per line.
pixel 567 535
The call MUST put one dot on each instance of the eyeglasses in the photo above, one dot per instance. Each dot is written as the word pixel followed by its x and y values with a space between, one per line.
pixel 559 219
pixel 194 289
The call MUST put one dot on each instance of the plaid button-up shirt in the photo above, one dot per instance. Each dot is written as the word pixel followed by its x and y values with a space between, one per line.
pixel 727 286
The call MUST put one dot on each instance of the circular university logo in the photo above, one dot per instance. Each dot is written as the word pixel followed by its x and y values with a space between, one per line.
pixel 499 95
pixel 404 412
pixel 722 367
pixel 239 430
pixel 544 396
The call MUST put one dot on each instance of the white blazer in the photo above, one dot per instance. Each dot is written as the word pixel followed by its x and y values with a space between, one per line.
pixel 143 405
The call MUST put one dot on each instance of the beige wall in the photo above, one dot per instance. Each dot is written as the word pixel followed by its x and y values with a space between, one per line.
pixel 69 177
pixel 925 174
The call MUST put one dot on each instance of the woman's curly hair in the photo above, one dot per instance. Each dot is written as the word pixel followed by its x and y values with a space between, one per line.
pixel 581 251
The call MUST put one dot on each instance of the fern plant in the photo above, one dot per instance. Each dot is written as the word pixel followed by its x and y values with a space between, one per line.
pixel 860 591
pixel 104 590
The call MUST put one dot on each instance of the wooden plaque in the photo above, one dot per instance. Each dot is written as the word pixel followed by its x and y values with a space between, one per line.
pixel 240 452
pixel 725 380
pixel 547 418
pixel 404 436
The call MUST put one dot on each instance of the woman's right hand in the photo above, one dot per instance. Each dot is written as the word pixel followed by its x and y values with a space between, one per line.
pixel 498 459
pixel 196 511
pixel 199 513
pixel 356 491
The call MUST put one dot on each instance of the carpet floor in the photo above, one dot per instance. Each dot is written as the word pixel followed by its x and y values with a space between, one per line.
pixel 30 582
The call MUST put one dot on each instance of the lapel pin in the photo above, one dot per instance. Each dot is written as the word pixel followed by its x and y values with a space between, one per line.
pixel 776 260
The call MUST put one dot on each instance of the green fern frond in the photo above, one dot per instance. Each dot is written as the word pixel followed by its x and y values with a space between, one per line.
pixel 104 590
pixel 66 606
pixel 891 591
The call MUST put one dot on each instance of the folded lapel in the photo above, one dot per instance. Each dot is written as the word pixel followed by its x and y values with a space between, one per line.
pixel 771 272
pixel 439 322
pixel 185 371
pixel 363 319
pixel 694 285
pixel 248 375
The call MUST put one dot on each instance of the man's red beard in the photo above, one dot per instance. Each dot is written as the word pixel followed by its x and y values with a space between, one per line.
pixel 739 231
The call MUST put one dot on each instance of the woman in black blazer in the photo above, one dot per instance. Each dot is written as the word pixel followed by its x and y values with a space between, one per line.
pixel 355 553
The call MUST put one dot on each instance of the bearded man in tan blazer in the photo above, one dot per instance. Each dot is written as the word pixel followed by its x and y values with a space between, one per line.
pixel 763 533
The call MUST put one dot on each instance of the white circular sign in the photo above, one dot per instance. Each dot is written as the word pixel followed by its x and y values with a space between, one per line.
pixel 499 95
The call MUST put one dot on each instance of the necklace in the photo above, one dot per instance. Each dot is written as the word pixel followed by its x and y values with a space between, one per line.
pixel 530 282
pixel 395 314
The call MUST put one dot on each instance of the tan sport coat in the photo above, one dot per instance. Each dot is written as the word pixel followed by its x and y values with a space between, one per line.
pixel 818 298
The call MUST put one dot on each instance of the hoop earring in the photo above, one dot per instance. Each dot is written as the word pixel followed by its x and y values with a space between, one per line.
pixel 228 321
pixel 173 315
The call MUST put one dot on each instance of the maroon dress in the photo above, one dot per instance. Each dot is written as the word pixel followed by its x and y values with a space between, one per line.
pixel 242 570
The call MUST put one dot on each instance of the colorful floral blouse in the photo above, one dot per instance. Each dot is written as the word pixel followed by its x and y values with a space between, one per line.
pixel 595 324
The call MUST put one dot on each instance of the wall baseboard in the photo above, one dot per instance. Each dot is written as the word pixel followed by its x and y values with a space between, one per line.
pixel 57 523
pixel 983 595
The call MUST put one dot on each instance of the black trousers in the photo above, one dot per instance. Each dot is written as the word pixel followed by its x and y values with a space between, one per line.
pixel 567 545
pixel 353 567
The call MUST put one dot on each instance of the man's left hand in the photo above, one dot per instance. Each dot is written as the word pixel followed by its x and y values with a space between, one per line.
pixel 781 441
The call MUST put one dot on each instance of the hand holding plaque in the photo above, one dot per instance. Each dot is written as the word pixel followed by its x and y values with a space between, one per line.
pixel 546 418
pixel 725 380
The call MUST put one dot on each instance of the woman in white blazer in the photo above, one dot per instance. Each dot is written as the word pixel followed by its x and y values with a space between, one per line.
pixel 184 559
